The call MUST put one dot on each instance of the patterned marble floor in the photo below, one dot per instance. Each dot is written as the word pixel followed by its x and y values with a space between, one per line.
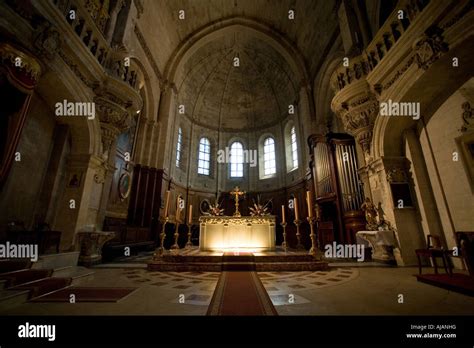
pixel 197 287
pixel 283 287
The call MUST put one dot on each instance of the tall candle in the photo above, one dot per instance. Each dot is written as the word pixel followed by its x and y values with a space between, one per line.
pixel 167 202
pixel 308 201
pixel 295 203
pixel 190 218
pixel 283 214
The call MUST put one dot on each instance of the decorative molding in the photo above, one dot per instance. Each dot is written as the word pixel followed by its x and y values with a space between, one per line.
pixel 244 220
pixel 148 53
pixel 75 69
pixel 398 74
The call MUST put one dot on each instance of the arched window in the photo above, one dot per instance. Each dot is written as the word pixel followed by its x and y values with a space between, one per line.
pixel 269 163
pixel 236 160
pixel 204 158
pixel 294 148
pixel 179 144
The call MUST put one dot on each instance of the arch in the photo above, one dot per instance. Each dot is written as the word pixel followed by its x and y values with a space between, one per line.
pixel 208 33
pixel 143 154
pixel 443 80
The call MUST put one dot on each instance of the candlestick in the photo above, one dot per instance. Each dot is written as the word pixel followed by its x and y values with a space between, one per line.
pixel 161 250
pixel 295 205
pixel 309 203
pixel 283 220
pixel 167 203
pixel 175 246
pixel 314 251
pixel 284 244
pixel 190 215
pixel 189 243
pixel 299 246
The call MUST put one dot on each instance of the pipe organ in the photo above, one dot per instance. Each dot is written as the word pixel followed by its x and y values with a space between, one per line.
pixel 337 187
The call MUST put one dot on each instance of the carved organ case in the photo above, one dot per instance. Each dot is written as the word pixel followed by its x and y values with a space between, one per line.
pixel 337 187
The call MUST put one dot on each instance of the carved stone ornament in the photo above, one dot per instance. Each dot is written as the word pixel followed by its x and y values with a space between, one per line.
pixel 358 118
pixel 48 41
pixel 244 220
pixel 99 176
pixel 112 113
pixel 430 47
pixel 467 117
pixel 29 65
pixel 397 175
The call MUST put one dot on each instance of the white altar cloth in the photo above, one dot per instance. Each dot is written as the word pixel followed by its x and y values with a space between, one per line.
pixel 246 233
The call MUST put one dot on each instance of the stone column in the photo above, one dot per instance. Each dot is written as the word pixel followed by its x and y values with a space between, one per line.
pixel 113 20
pixel 114 119
pixel 166 120
pixel 74 208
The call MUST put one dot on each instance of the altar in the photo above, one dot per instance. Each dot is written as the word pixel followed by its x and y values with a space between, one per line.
pixel 252 233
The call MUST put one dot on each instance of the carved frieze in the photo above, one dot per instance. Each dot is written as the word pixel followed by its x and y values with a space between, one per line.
pixel 244 220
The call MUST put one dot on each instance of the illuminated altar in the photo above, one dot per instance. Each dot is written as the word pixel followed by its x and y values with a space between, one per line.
pixel 253 233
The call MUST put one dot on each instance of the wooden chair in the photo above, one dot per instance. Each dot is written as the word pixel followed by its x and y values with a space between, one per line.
pixel 434 250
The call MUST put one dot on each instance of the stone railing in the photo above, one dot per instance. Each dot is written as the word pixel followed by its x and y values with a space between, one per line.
pixel 89 21
pixel 386 37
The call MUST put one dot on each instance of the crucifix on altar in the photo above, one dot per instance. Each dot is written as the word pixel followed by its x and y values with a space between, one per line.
pixel 237 194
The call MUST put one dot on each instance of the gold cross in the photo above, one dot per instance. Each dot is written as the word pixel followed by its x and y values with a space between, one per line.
pixel 236 192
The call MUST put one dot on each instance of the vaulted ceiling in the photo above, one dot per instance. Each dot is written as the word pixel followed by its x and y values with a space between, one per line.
pixel 311 32
pixel 254 95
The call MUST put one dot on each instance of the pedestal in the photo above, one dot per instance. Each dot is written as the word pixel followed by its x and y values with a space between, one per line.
pixel 382 244
pixel 90 246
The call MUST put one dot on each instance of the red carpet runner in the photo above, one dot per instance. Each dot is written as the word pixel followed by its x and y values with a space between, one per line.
pixel 240 293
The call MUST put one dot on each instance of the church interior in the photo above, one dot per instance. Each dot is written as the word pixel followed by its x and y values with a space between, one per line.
pixel 236 157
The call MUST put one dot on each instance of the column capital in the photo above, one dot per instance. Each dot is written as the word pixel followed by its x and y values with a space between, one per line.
pixel 357 107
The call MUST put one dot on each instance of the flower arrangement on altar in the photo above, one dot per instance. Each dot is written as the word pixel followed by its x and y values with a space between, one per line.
pixel 259 209
pixel 214 210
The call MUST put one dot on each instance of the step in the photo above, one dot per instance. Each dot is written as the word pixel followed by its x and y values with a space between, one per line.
pixel 24 276
pixel 44 286
pixel 57 261
pixel 14 265
pixel 238 266
pixel 78 274
pixel 12 298
pixel 3 284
